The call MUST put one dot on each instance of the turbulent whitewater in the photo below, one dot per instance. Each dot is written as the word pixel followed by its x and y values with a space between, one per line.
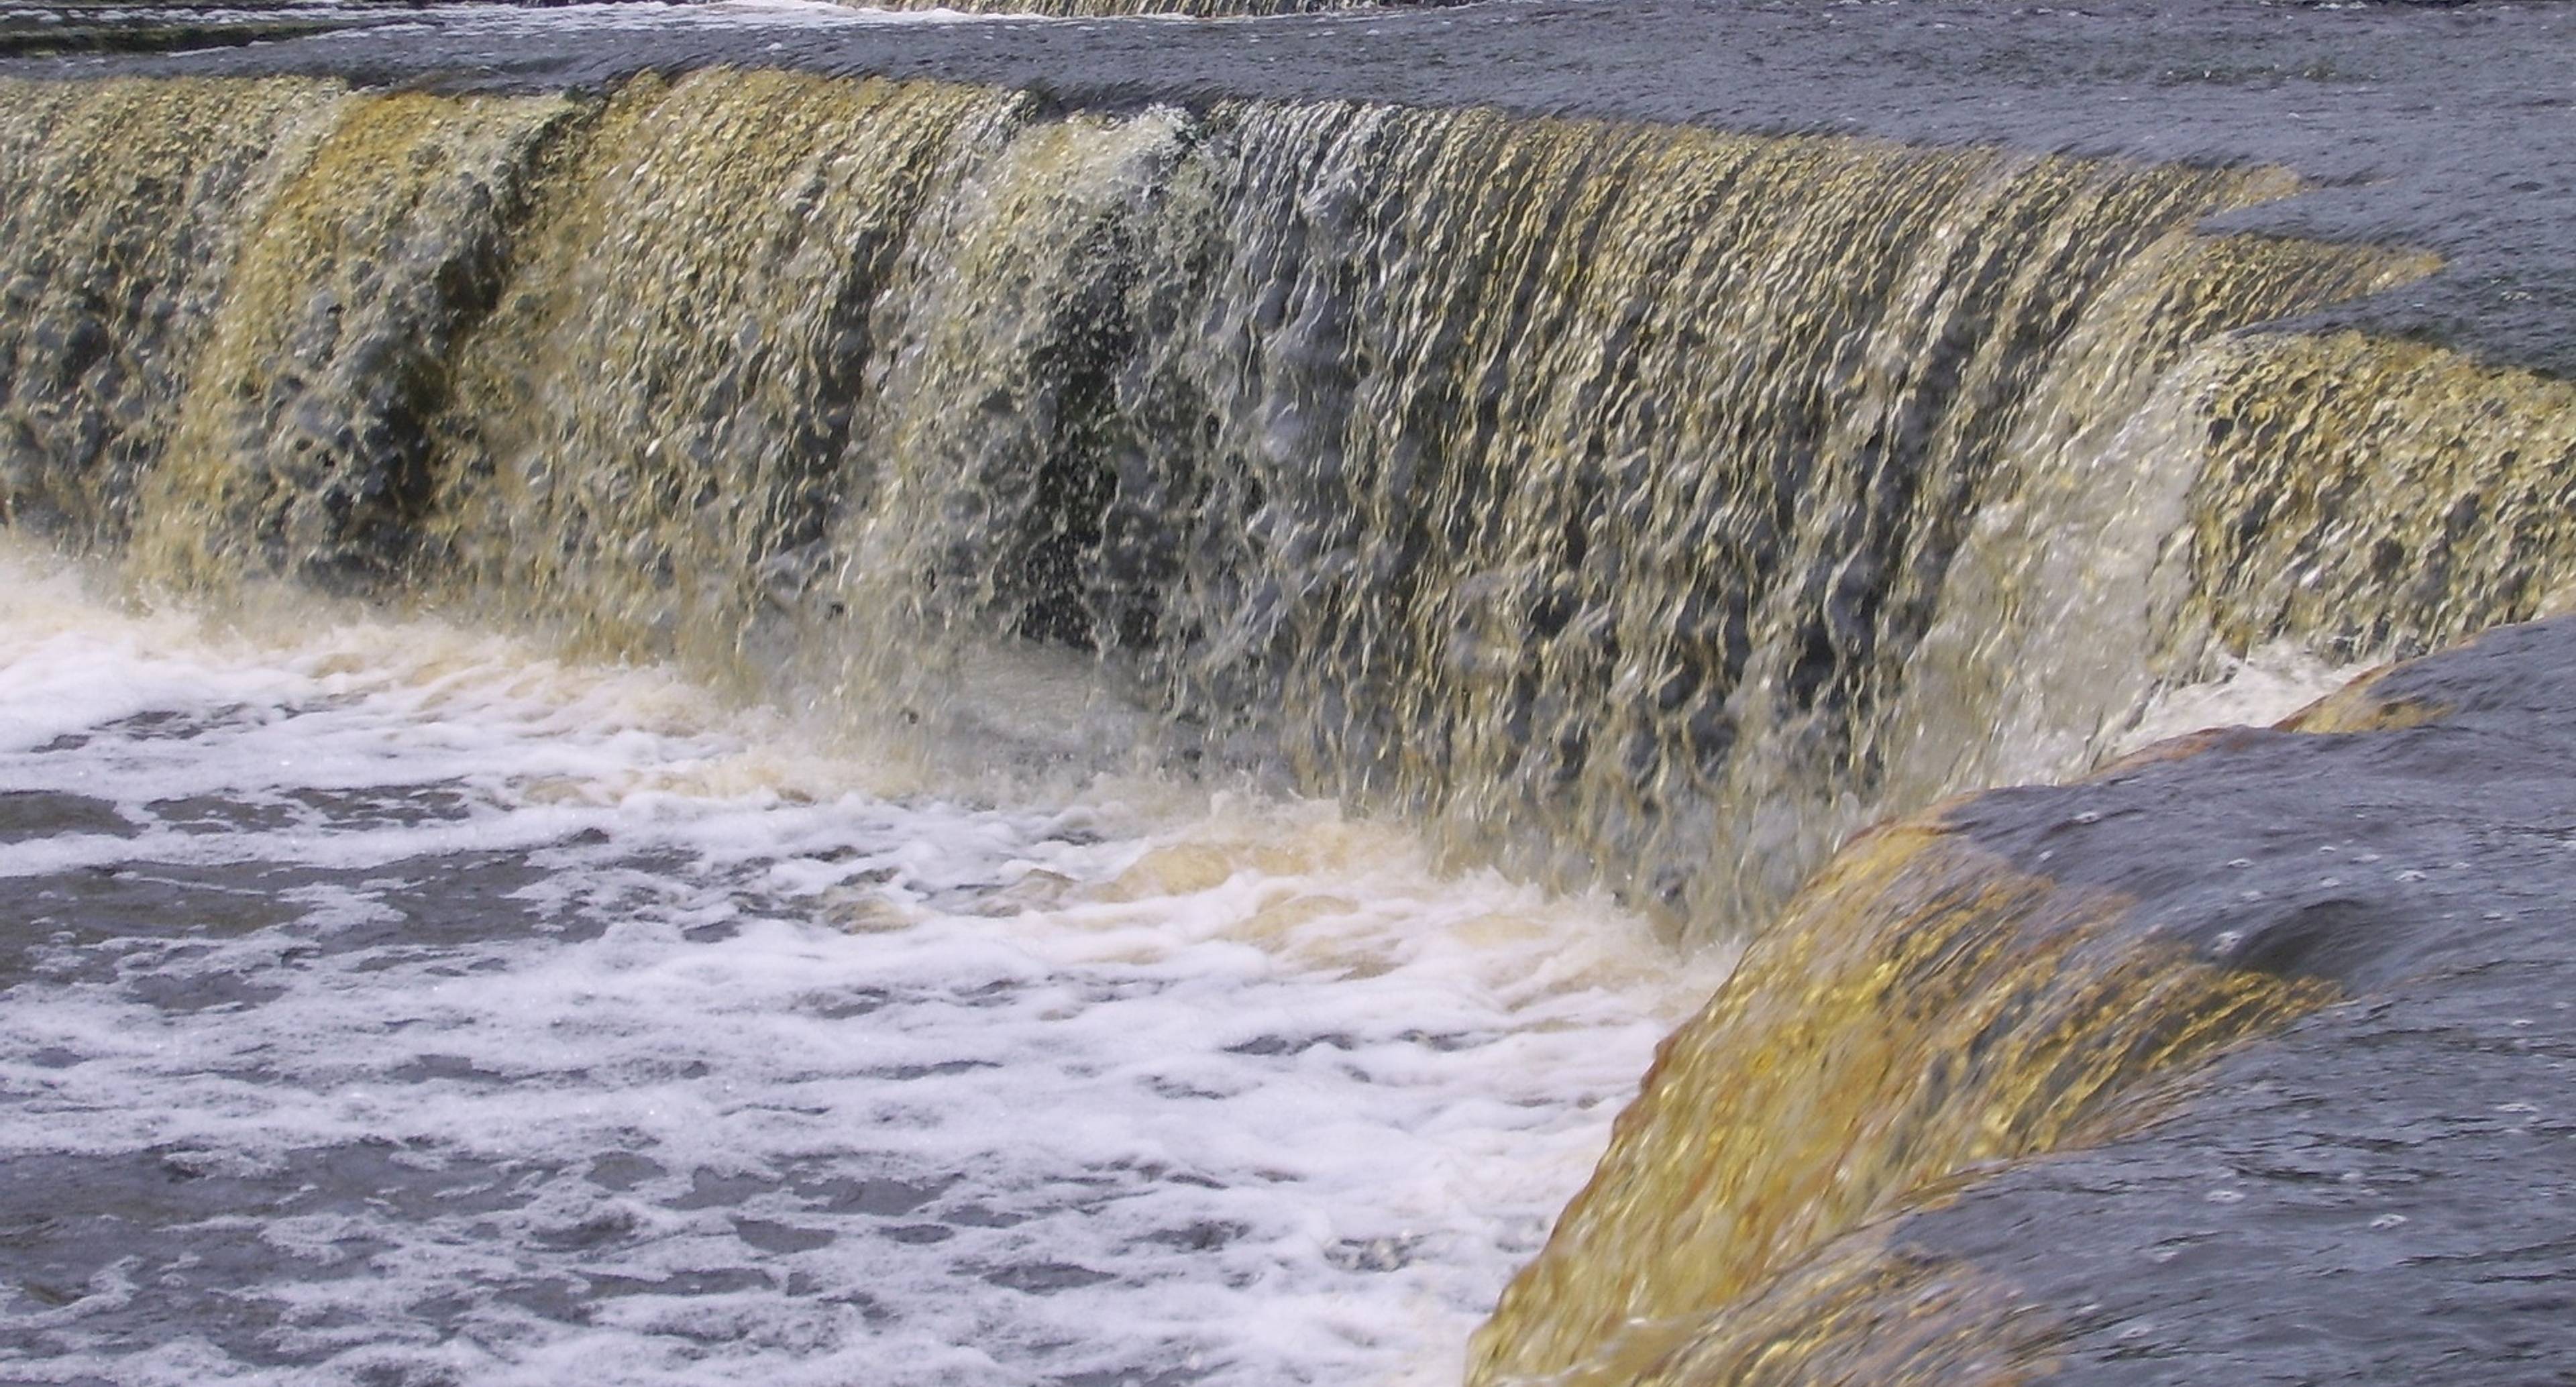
pixel 413 1006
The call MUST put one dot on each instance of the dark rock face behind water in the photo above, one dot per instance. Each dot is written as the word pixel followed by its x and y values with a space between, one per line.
pixel 2447 127
pixel 2387 1192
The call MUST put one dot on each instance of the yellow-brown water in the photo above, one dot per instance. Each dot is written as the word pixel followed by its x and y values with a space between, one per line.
pixel 2353 497
pixel 301 440
pixel 125 205
pixel 1632 478
pixel 2376 497
pixel 1921 1009
pixel 1624 500
pixel 1629 504
pixel 660 410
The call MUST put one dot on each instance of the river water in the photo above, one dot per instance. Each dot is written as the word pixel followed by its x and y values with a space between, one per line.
pixel 389 1002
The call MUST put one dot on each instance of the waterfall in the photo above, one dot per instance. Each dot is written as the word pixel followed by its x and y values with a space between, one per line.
pixel 1627 505
pixel 1633 504
pixel 126 204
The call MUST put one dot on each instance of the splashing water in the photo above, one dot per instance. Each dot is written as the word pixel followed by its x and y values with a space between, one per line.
pixel 396 1003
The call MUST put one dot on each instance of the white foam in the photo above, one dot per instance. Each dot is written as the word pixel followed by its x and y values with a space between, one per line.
pixel 1229 1086
pixel 2269 684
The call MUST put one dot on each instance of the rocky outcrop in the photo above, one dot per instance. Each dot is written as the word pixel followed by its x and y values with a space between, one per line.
pixel 2246 1059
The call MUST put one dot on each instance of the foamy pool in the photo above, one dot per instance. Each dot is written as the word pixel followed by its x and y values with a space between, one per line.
pixel 388 1002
